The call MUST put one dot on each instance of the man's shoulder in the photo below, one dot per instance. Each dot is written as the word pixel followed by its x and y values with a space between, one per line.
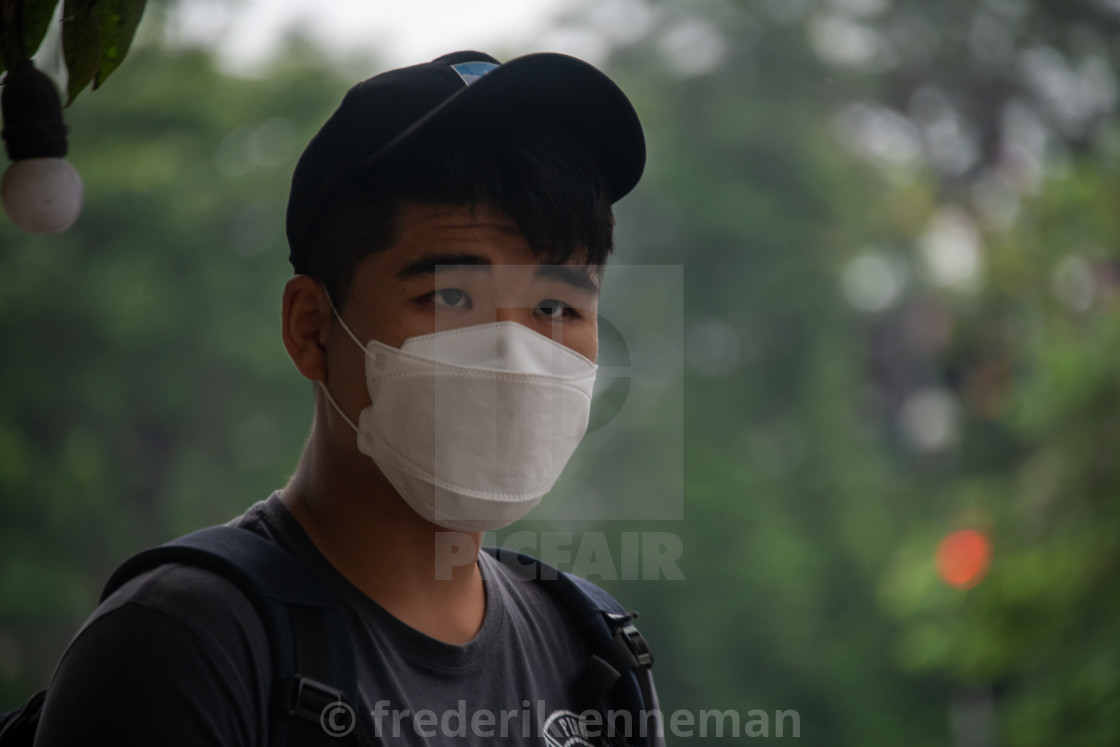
pixel 200 601
pixel 178 636
pixel 174 585
pixel 199 597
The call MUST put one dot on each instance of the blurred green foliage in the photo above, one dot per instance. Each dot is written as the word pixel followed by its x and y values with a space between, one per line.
pixel 96 35
pixel 145 388
pixel 902 317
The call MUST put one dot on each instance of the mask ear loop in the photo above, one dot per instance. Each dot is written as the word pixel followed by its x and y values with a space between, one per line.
pixel 339 318
pixel 358 343
pixel 337 409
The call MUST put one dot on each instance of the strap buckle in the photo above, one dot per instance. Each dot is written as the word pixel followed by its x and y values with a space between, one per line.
pixel 635 641
pixel 307 698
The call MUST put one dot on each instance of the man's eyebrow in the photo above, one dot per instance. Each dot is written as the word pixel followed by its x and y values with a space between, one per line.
pixel 427 264
pixel 577 276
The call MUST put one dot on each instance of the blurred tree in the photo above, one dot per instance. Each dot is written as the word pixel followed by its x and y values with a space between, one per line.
pixel 145 391
pixel 885 338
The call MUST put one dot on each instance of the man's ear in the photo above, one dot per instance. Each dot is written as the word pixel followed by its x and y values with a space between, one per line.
pixel 306 321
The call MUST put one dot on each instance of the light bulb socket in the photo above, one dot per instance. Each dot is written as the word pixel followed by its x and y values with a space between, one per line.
pixel 33 126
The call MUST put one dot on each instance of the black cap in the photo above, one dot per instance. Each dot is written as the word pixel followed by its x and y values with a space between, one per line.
pixel 380 114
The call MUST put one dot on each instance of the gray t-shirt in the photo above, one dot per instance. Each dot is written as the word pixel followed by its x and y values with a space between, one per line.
pixel 178 656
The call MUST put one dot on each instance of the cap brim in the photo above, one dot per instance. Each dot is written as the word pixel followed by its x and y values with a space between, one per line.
pixel 553 89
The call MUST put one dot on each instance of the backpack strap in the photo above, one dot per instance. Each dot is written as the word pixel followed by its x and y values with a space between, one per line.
pixel 619 669
pixel 309 643
pixel 17 728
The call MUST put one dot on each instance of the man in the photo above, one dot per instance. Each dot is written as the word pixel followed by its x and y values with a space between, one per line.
pixel 448 226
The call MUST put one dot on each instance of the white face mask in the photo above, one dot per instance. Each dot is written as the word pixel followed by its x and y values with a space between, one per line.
pixel 474 425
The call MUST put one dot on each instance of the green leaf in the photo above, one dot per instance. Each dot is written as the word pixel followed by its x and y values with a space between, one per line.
pixel 118 20
pixel 81 44
pixel 36 19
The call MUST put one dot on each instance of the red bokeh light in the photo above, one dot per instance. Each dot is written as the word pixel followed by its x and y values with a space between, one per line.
pixel 963 558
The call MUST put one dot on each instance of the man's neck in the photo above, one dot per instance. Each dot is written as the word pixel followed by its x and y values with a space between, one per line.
pixel 424 575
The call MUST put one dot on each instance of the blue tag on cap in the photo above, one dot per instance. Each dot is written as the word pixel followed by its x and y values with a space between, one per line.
pixel 472 71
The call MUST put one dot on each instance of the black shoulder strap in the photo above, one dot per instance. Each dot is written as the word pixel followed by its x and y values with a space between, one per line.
pixel 315 693
pixel 17 728
pixel 618 672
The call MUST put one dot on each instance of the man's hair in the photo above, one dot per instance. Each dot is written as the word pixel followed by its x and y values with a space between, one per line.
pixel 546 183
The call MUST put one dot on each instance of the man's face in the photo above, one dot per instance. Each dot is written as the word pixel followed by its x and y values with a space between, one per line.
pixel 453 267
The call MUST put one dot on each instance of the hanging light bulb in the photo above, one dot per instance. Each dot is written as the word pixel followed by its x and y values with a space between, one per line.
pixel 41 192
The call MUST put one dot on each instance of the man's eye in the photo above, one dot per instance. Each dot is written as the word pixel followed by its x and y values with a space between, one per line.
pixel 452 297
pixel 554 309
